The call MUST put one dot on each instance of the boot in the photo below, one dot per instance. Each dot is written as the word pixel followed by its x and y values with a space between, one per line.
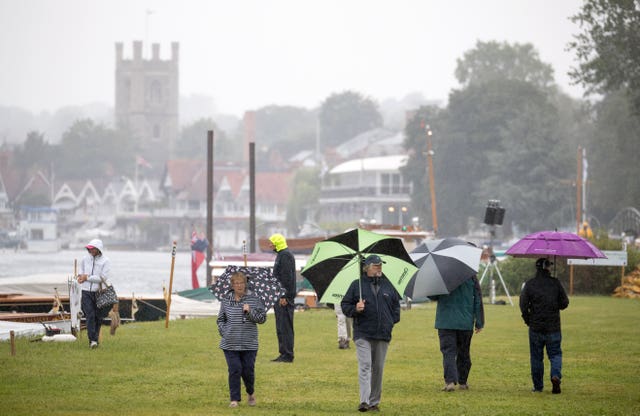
pixel 343 344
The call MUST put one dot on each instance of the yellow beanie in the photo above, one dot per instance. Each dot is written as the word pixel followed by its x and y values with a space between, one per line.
pixel 278 241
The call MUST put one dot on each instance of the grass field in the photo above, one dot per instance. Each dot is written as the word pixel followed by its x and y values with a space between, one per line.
pixel 147 369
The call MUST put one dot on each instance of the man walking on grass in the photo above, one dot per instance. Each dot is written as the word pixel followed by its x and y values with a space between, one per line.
pixel 541 301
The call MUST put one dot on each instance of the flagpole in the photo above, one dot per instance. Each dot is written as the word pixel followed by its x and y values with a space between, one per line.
pixel 168 300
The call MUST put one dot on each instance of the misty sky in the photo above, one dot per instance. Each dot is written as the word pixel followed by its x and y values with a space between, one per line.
pixel 248 54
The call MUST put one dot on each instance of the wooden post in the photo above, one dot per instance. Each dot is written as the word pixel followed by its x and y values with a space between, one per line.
pixel 579 191
pixel 244 252
pixel 210 137
pixel 571 280
pixel 12 335
pixel 252 197
pixel 173 262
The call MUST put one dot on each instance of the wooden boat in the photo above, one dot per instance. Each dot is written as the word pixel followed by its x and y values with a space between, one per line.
pixel 411 236
pixel 297 245
pixel 148 308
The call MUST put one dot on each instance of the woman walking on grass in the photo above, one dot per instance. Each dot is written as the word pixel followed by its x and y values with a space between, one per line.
pixel 240 311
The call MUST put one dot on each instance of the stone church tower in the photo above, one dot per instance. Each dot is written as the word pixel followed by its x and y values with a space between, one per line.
pixel 146 102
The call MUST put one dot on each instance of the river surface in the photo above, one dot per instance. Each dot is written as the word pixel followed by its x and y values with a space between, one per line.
pixel 142 272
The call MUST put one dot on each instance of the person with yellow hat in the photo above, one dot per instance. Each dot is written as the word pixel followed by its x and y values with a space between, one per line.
pixel 284 269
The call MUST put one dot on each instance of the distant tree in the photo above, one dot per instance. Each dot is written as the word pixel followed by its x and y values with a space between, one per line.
pixel 612 154
pixel 285 129
pixel 192 143
pixel 306 191
pixel 345 115
pixel 90 150
pixel 35 152
pixel 503 143
pixel 490 61
pixel 608 48
pixel 497 140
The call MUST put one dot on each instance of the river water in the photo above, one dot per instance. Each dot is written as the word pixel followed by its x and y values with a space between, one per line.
pixel 141 272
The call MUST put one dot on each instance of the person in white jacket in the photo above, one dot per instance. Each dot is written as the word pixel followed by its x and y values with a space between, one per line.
pixel 95 269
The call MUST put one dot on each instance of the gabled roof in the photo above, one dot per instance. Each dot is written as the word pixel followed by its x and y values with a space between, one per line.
pixel 38 184
pixel 236 182
pixel 363 142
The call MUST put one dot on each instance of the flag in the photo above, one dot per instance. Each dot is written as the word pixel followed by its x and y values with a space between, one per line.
pixel 198 247
pixel 141 162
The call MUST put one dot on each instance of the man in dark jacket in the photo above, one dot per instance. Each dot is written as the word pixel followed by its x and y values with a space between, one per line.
pixel 374 305
pixel 284 269
pixel 457 314
pixel 541 301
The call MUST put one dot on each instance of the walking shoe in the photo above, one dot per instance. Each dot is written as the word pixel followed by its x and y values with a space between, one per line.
pixel 556 385
pixel 252 400
pixel 449 387
pixel 463 386
pixel 93 345
pixel 277 359
pixel 343 344
pixel 373 408
pixel 535 390
pixel 363 407
pixel 233 403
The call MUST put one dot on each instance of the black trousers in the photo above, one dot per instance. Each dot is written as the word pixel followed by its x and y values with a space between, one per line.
pixel 284 329
pixel 456 358
pixel 92 314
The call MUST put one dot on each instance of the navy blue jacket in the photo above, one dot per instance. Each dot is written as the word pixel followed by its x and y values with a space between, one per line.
pixel 284 269
pixel 237 329
pixel 381 311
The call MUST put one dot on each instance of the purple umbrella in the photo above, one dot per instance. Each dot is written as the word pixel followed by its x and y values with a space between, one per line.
pixel 557 244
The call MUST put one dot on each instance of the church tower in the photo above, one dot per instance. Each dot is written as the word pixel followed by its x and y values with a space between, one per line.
pixel 146 103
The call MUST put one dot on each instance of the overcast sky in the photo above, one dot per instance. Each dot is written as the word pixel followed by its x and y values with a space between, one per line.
pixel 248 54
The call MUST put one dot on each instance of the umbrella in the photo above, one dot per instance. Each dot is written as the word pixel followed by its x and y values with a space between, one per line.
pixel 259 280
pixel 444 264
pixel 336 262
pixel 557 244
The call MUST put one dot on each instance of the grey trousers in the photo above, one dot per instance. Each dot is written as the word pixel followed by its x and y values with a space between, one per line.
pixel 371 356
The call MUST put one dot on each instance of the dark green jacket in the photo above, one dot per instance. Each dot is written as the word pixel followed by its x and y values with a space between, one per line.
pixel 462 309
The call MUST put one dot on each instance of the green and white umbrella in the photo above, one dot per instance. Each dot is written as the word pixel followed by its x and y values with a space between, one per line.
pixel 337 261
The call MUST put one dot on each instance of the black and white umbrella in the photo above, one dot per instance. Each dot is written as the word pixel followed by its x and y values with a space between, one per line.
pixel 443 266
pixel 259 280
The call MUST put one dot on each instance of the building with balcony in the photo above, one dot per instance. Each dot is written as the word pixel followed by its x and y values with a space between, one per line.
pixel 370 189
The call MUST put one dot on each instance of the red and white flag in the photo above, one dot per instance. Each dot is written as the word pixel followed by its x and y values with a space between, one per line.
pixel 198 249
pixel 140 161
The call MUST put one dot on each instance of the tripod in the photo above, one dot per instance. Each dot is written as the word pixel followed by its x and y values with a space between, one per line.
pixel 493 265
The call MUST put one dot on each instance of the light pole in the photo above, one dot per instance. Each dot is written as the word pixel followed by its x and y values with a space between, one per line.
pixel 432 186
